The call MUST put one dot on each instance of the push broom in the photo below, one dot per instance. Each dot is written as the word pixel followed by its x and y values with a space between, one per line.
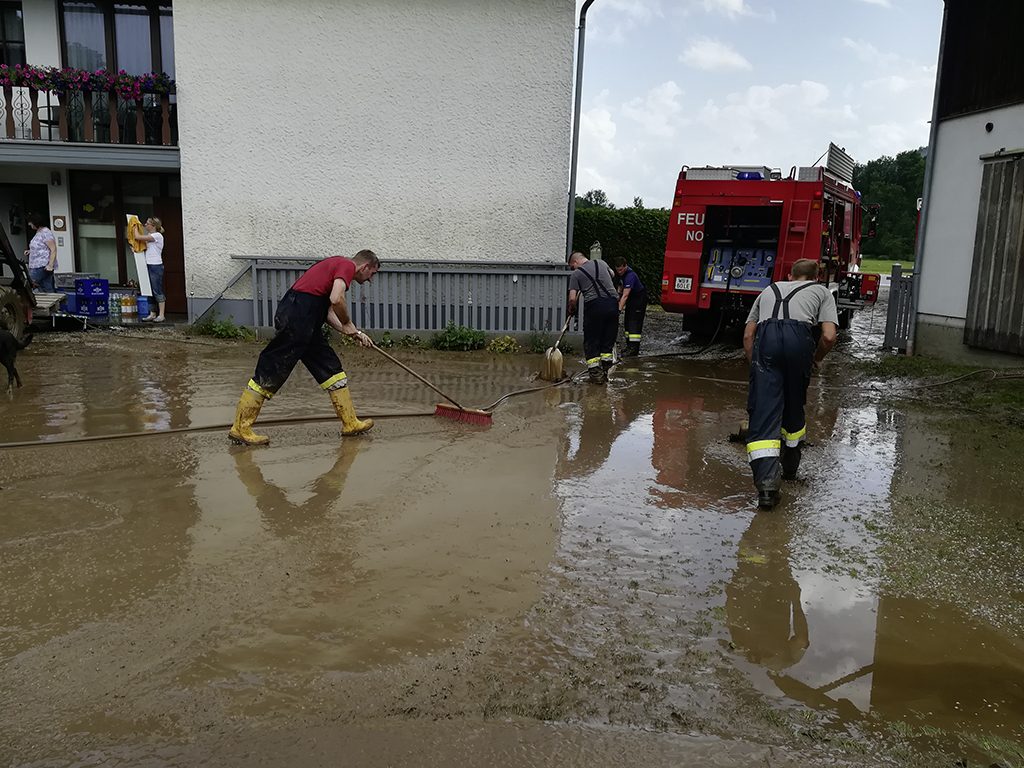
pixel 454 411
pixel 551 370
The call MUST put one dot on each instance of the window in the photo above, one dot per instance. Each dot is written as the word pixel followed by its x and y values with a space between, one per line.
pixel 137 37
pixel 12 35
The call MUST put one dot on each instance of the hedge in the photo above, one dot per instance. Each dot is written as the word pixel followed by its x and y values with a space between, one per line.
pixel 638 234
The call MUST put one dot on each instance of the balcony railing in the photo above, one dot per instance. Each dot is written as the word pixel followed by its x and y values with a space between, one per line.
pixel 31 114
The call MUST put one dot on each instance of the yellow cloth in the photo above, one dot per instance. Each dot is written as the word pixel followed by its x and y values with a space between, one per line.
pixel 134 232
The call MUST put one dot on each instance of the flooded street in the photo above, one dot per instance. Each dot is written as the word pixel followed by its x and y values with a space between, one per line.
pixel 586 582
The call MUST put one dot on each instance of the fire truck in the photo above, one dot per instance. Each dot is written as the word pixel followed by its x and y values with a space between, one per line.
pixel 735 230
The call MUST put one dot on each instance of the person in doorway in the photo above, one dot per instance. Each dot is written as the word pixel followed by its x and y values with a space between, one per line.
pixel 633 302
pixel 154 240
pixel 317 297
pixel 41 254
pixel 593 279
pixel 780 346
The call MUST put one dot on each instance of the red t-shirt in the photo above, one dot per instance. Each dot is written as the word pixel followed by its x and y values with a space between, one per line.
pixel 319 279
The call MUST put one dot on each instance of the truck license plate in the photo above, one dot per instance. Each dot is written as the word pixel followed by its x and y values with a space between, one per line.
pixel 684 283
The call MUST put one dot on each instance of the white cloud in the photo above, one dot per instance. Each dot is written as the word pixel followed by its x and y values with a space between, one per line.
pixel 869 54
pixel 659 112
pixel 729 8
pixel 880 3
pixel 713 55
pixel 616 19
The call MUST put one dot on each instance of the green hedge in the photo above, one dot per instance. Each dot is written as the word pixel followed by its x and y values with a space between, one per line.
pixel 636 233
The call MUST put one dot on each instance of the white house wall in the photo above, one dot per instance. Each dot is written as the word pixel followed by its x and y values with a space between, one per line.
pixel 952 217
pixel 42 34
pixel 428 130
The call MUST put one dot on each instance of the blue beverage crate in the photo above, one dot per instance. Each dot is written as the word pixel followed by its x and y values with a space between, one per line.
pixel 93 306
pixel 93 287
pixel 71 302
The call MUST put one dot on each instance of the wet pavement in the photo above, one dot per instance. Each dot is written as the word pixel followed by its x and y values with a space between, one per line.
pixel 586 582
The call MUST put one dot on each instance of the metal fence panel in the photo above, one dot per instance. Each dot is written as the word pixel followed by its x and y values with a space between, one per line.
pixel 425 297
pixel 901 307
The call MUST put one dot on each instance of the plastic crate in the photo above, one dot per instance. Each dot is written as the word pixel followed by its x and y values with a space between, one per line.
pixel 93 306
pixel 93 287
pixel 71 303
pixel 66 280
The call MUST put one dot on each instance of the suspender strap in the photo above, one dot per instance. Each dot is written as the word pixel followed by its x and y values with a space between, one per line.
pixel 783 303
pixel 601 290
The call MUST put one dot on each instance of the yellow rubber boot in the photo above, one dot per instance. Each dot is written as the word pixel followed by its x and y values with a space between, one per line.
pixel 249 406
pixel 350 423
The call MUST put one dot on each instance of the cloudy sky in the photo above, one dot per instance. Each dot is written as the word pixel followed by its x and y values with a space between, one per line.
pixel 669 83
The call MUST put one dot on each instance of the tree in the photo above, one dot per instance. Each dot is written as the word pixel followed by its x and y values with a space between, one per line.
pixel 595 198
pixel 895 184
pixel 638 202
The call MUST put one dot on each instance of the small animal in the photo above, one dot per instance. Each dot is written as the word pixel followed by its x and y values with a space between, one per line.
pixel 9 348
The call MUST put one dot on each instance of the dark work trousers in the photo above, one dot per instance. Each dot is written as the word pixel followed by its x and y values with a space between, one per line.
pixel 779 375
pixel 600 328
pixel 299 322
pixel 636 311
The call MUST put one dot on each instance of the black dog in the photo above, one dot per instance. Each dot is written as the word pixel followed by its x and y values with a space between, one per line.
pixel 9 348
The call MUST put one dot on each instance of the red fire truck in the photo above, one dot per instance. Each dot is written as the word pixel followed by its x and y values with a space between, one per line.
pixel 735 230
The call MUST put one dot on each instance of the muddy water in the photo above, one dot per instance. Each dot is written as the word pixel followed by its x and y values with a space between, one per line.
pixel 592 561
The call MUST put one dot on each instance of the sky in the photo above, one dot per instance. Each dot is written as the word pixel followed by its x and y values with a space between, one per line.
pixel 669 83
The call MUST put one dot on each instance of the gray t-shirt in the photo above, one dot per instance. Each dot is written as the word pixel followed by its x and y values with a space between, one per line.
pixel 812 305
pixel 601 274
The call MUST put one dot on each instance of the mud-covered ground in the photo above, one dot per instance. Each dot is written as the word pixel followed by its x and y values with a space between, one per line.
pixel 585 582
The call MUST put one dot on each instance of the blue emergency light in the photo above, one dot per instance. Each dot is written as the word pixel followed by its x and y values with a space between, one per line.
pixel 749 176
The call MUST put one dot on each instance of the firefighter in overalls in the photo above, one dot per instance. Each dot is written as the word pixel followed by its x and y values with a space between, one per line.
pixel 632 302
pixel 779 340
pixel 593 279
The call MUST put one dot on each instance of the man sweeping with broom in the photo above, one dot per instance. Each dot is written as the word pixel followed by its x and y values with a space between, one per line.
pixel 316 298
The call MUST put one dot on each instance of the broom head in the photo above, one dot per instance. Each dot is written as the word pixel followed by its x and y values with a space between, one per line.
pixel 466 415
pixel 551 369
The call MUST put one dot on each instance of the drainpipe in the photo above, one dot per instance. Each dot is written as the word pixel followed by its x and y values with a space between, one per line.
pixel 576 131
pixel 926 192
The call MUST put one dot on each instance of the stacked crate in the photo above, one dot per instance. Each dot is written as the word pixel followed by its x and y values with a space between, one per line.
pixel 92 296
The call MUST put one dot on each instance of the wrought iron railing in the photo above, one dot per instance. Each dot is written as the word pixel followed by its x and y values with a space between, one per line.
pixel 30 114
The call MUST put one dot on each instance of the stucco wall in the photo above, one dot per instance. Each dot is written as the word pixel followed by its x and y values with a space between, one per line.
pixel 952 218
pixel 429 130
pixel 42 37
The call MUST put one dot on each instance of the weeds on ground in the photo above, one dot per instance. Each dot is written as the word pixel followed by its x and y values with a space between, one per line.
pixel 504 345
pixel 221 328
pixel 411 341
pixel 539 343
pixel 458 338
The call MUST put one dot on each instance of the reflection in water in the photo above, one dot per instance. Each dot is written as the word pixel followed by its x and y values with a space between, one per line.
pixel 765 616
pixel 281 516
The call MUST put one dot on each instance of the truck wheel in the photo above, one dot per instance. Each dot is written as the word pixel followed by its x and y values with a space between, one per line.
pixel 12 312
pixel 845 319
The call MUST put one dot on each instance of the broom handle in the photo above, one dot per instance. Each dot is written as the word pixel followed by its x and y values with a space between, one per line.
pixel 410 371
pixel 565 328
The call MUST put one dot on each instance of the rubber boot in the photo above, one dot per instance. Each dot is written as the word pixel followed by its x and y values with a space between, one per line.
pixel 350 423
pixel 768 491
pixel 248 410
pixel 790 462
pixel 632 349
pixel 597 375
pixel 606 365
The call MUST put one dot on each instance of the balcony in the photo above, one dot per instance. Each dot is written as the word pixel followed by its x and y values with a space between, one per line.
pixel 41 108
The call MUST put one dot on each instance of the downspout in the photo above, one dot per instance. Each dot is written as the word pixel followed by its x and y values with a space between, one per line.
pixel 926 192
pixel 570 219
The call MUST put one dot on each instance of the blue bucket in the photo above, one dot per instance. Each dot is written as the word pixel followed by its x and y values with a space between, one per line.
pixel 142 302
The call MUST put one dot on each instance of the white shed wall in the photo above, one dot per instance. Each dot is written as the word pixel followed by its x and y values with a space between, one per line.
pixel 429 130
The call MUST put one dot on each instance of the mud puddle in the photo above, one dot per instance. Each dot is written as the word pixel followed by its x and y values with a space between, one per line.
pixel 593 561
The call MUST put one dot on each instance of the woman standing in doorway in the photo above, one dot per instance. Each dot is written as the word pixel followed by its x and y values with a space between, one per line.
pixel 154 239
pixel 42 254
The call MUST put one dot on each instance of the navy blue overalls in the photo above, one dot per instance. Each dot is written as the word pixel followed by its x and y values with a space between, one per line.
pixel 600 322
pixel 779 375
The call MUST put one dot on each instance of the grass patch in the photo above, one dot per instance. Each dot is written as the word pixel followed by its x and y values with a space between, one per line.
pixel 458 338
pixel 221 328
pixel 884 266
pixel 1002 396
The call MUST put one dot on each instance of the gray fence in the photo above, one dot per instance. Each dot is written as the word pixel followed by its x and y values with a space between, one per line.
pixel 425 297
pixel 901 308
